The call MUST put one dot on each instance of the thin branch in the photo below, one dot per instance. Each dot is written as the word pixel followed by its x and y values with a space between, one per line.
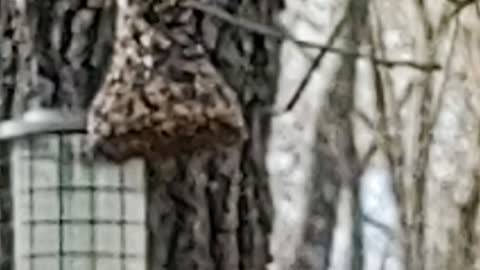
pixel 316 62
pixel 378 224
pixel 364 118
pixel 434 110
pixel 459 7
pixel 269 31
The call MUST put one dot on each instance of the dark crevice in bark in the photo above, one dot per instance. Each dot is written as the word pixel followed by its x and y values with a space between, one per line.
pixel 239 235
pixel 66 21
pixel 8 64
pixel 71 44
pixel 8 67
pixel 468 240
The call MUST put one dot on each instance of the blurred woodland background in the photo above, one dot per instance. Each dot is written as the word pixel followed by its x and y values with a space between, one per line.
pixel 362 116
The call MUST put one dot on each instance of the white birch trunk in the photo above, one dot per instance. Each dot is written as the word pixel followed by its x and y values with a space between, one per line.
pixel 300 186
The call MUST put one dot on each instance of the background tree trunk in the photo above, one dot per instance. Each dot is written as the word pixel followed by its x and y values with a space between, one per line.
pixel 418 189
pixel 312 163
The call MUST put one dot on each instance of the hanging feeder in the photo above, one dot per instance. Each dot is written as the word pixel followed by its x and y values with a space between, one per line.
pixel 162 95
pixel 71 212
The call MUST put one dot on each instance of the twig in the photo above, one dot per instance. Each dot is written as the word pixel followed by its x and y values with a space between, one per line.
pixel 459 7
pixel 436 105
pixel 303 84
pixel 269 31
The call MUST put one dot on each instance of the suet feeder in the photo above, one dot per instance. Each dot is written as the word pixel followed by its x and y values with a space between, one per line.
pixel 72 212
pixel 162 95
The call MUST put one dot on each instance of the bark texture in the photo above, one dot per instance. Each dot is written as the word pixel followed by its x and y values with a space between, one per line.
pixel 208 210
pixel 8 65
pixel 214 209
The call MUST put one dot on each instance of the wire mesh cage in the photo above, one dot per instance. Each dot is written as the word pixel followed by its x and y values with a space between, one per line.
pixel 75 213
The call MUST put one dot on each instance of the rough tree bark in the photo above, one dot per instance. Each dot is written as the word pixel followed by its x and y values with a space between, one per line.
pixel 5 87
pixel 214 209
pixel 210 210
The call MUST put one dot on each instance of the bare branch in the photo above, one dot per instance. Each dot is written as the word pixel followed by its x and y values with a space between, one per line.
pixel 436 105
pixel 303 84
pixel 269 31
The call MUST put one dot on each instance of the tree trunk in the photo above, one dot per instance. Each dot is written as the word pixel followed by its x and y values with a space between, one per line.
pixel 213 210
pixel 419 197
pixel 208 210
pixel 429 128
pixel 314 170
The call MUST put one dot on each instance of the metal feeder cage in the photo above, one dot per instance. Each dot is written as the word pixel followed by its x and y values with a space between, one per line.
pixel 70 212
